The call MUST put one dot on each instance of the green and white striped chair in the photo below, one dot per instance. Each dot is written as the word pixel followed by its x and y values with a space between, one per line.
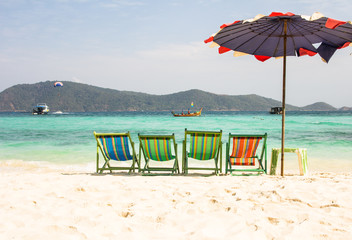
pixel 115 146
pixel 158 148
pixel 203 146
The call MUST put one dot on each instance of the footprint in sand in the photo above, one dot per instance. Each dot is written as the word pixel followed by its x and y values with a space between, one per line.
pixel 273 220
pixel 126 214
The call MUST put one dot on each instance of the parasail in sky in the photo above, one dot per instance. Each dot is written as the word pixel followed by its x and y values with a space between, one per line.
pixel 58 84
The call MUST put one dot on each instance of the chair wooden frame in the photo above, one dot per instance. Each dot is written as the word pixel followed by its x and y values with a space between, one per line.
pixel 154 152
pixel 262 166
pixel 100 148
pixel 218 151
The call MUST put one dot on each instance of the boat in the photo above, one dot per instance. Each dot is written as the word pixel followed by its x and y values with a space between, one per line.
pixel 41 108
pixel 188 114
pixel 276 110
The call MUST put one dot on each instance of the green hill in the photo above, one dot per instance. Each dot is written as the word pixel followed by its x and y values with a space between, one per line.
pixel 77 97
pixel 319 106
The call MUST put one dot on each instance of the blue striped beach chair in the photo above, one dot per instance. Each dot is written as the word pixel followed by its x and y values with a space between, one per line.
pixel 158 148
pixel 244 157
pixel 203 146
pixel 117 147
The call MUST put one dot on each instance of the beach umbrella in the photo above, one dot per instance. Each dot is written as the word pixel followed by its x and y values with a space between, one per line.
pixel 281 35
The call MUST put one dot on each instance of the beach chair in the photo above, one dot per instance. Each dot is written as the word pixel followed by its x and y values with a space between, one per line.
pixel 117 147
pixel 244 157
pixel 158 148
pixel 203 146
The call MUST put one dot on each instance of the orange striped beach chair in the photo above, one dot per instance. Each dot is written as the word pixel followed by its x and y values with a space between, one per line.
pixel 160 149
pixel 118 147
pixel 203 146
pixel 244 157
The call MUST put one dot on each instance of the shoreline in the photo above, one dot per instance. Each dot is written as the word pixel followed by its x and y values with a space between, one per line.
pixel 291 166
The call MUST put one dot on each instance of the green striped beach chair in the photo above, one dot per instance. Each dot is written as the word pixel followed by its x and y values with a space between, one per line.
pixel 117 147
pixel 244 157
pixel 158 148
pixel 203 146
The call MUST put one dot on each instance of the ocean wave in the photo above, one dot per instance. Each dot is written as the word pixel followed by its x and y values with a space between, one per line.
pixel 331 123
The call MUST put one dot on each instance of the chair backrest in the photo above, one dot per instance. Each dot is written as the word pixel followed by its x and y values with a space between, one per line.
pixel 157 147
pixel 203 145
pixel 115 146
pixel 244 148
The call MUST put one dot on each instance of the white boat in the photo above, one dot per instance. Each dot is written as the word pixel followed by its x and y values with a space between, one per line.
pixel 41 108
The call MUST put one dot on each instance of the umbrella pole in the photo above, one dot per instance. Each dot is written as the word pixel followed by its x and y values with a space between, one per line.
pixel 283 101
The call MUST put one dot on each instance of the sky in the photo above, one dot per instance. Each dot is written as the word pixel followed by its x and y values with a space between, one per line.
pixel 157 47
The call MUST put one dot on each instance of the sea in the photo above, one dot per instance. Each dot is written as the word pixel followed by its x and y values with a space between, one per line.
pixel 67 139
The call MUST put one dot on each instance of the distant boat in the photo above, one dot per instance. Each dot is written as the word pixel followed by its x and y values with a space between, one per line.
pixel 188 114
pixel 41 108
pixel 276 110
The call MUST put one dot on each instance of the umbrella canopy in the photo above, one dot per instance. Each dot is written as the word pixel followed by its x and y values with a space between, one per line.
pixel 263 36
pixel 281 35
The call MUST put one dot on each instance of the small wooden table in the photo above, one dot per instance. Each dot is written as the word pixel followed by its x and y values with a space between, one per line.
pixel 302 159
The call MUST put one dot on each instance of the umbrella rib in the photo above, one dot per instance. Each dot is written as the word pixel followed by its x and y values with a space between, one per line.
pixel 323 22
pixel 345 27
pixel 310 29
pixel 317 33
pixel 324 31
pixel 227 31
pixel 341 37
pixel 278 43
pixel 278 25
pixel 303 35
pixel 224 33
pixel 240 25
pixel 264 28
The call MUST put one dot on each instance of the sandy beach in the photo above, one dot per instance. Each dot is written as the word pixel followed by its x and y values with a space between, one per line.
pixel 65 203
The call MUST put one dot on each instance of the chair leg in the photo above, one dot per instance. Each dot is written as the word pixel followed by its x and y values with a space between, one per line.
pixel 176 167
pixel 132 169
pixel 146 166
pixel 216 166
pixel 221 159
pixel 186 166
pixel 183 164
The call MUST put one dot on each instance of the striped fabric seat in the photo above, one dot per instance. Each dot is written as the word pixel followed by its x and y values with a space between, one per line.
pixel 204 146
pixel 116 147
pixel 157 148
pixel 244 150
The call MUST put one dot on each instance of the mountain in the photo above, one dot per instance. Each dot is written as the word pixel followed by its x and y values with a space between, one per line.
pixel 319 106
pixel 77 97
pixel 345 109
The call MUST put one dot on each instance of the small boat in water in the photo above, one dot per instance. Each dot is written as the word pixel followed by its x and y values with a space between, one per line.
pixel 188 114
pixel 276 110
pixel 41 108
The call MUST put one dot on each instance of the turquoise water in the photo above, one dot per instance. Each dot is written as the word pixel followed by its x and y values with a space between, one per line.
pixel 68 138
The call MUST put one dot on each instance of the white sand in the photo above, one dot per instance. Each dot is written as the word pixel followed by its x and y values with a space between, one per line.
pixel 47 203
